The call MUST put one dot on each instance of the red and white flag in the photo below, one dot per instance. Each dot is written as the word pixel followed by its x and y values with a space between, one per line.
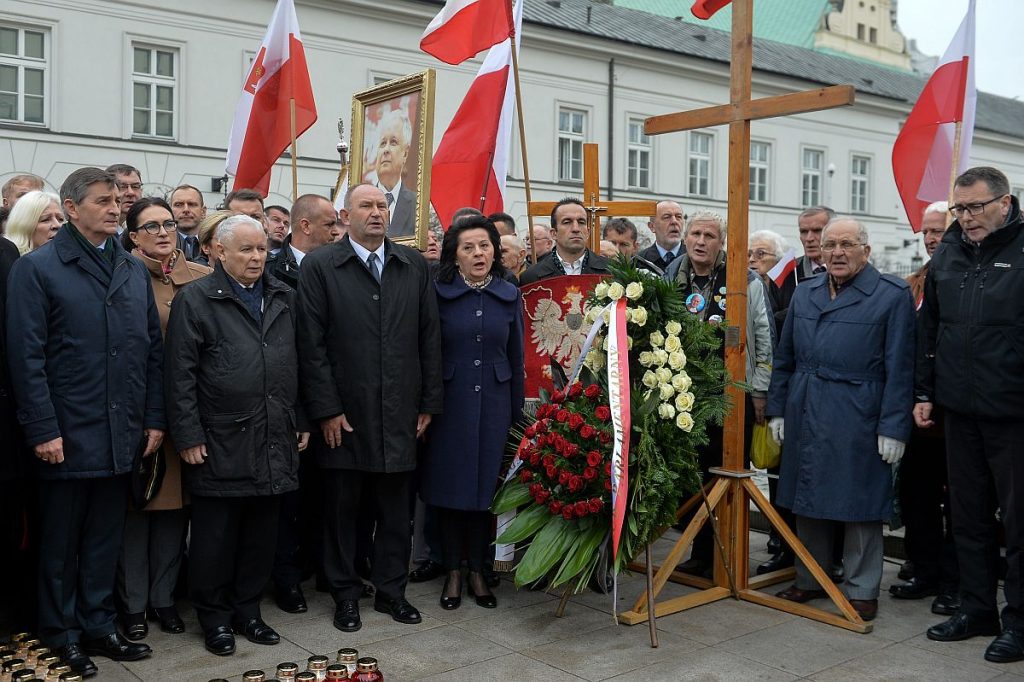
pixel 262 127
pixel 465 28
pixel 922 156
pixel 471 161
pixel 783 269
pixel 703 9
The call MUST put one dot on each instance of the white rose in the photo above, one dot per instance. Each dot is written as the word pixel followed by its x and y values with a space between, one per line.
pixel 640 316
pixel 595 360
pixel 604 344
pixel 601 290
pixel 666 411
pixel 657 339
pixel 681 381
pixel 591 316
pixel 660 357
pixel 666 391
pixel 650 379
pixel 672 343
pixel 607 315
pixel 646 358
pixel 615 291
pixel 684 421
pixel 677 359
pixel 634 290
pixel 629 342
pixel 673 327
pixel 684 401
pixel 664 375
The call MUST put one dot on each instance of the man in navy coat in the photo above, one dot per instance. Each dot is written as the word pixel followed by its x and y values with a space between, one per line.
pixel 842 395
pixel 84 348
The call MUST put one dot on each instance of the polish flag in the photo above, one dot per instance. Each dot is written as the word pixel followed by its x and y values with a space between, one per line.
pixel 922 156
pixel 703 9
pixel 783 269
pixel 465 28
pixel 471 160
pixel 262 127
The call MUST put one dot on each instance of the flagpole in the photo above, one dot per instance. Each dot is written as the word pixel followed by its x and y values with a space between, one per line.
pixel 956 159
pixel 522 144
pixel 295 168
pixel 487 180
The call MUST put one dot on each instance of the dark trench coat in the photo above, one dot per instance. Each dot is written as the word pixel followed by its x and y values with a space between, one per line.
pixel 843 376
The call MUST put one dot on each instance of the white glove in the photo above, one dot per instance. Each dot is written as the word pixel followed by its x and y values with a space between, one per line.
pixel 890 449
pixel 777 425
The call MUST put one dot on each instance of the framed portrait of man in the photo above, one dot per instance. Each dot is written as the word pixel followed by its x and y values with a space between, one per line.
pixel 392 126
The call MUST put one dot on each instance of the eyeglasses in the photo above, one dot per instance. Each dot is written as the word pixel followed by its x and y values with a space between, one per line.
pixel 153 227
pixel 137 186
pixel 758 254
pixel 828 247
pixel 972 209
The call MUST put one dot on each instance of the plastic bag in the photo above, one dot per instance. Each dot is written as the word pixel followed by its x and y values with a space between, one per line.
pixel 764 451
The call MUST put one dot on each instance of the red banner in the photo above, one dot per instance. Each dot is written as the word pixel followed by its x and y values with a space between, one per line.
pixel 555 327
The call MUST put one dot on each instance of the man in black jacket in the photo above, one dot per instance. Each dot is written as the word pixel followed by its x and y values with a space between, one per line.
pixel 314 223
pixel 232 401
pixel 370 361
pixel 667 226
pixel 570 255
pixel 971 361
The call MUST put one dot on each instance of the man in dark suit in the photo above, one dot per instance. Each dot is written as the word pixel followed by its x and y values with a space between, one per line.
pixel 811 222
pixel 392 153
pixel 667 226
pixel 570 255
pixel 370 366
pixel 188 209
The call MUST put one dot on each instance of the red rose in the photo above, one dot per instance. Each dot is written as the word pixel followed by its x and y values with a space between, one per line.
pixel 525 475
pixel 543 496
pixel 571 450
pixel 534 488
pixel 608 468
pixel 603 413
pixel 543 410
pixel 595 505
pixel 540 427
pixel 593 458
pixel 530 431
pixel 548 460
pixel 563 477
pixel 562 416
pixel 555 507
pixel 581 508
pixel 590 473
pixel 593 390
pixel 608 484
pixel 575 420
pixel 567 511
pixel 605 437
pixel 562 444
pixel 575 390
pixel 575 483
pixel 557 397
pixel 535 458
pixel 587 431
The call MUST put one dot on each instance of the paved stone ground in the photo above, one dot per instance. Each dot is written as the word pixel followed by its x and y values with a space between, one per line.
pixel 521 640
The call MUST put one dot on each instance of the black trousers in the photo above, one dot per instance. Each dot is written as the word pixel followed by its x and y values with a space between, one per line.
pixel 985 456
pixel 19 570
pixel 231 555
pixel 81 525
pixel 924 505
pixel 350 494
pixel 465 530
pixel 300 528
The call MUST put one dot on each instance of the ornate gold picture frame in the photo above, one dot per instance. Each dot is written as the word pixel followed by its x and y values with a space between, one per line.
pixel 392 146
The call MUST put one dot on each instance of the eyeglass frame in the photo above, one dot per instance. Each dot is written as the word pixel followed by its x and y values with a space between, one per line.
pixel 844 246
pixel 164 225
pixel 122 186
pixel 753 253
pixel 957 210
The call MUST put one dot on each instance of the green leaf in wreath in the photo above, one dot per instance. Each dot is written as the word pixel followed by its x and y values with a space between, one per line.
pixel 511 495
pixel 550 546
pixel 525 524
pixel 584 551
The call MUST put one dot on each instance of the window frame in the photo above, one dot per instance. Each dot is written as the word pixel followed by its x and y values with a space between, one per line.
pixel 698 156
pixel 766 167
pixel 642 149
pixel 21 62
pixel 806 172
pixel 177 50
pixel 572 137
pixel 861 204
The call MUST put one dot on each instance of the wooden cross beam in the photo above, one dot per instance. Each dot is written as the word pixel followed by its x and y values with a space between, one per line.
pixel 596 208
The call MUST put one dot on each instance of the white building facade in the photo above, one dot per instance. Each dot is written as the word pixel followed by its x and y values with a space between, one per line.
pixel 155 84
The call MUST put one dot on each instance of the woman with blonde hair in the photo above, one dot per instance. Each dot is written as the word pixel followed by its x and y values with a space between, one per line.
pixel 34 221
pixel 206 230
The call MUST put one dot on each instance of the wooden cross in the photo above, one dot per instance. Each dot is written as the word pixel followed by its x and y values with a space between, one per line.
pixel 595 207
pixel 732 490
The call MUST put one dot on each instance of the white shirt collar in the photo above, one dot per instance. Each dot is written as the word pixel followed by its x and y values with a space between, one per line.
pixel 299 255
pixel 395 191
pixel 364 253
pixel 575 268
pixel 663 251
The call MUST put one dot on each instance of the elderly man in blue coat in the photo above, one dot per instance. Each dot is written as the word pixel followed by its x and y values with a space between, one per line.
pixel 842 395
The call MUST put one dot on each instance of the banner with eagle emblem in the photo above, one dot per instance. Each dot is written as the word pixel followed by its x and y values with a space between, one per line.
pixel 555 311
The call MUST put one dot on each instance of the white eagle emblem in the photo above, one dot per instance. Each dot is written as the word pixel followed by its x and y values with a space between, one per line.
pixel 560 328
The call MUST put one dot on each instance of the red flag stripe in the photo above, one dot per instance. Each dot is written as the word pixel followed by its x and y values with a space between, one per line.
pixel 703 9
pixel 465 28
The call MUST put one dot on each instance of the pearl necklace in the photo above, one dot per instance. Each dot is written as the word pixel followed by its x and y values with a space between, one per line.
pixel 482 284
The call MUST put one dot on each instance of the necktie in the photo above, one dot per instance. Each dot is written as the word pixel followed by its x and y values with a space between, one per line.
pixel 818 270
pixel 191 247
pixel 371 262
pixel 390 197
pixel 669 257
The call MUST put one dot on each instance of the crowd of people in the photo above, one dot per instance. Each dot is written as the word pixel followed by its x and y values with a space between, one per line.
pixel 213 402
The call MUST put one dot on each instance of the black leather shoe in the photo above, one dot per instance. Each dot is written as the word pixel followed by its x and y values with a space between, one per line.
pixel 915 588
pixel 220 641
pixel 170 619
pixel 487 601
pixel 961 626
pixel 946 604
pixel 257 632
pixel 1007 647
pixel 399 610
pixel 346 615
pixel 451 603
pixel 906 570
pixel 290 599
pixel 428 570
pixel 783 559
pixel 116 648
pixel 135 627
pixel 72 656
pixel 774 545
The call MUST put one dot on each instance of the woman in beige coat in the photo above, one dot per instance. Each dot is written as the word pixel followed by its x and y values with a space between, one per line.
pixel 154 537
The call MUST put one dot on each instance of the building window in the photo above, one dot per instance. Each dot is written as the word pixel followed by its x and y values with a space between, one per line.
pixel 860 31
pixel 760 155
pixel 638 161
pixel 571 126
pixel 812 164
pixel 23 74
pixel 860 178
pixel 154 91
pixel 699 176
pixel 873 35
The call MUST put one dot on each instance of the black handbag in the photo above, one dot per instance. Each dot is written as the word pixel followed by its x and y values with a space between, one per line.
pixel 147 475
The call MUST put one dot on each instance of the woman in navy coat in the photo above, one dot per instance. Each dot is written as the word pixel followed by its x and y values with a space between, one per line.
pixel 482 351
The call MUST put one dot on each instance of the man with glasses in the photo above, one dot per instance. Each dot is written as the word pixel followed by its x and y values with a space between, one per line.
pixel 129 186
pixel 841 387
pixel 970 363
